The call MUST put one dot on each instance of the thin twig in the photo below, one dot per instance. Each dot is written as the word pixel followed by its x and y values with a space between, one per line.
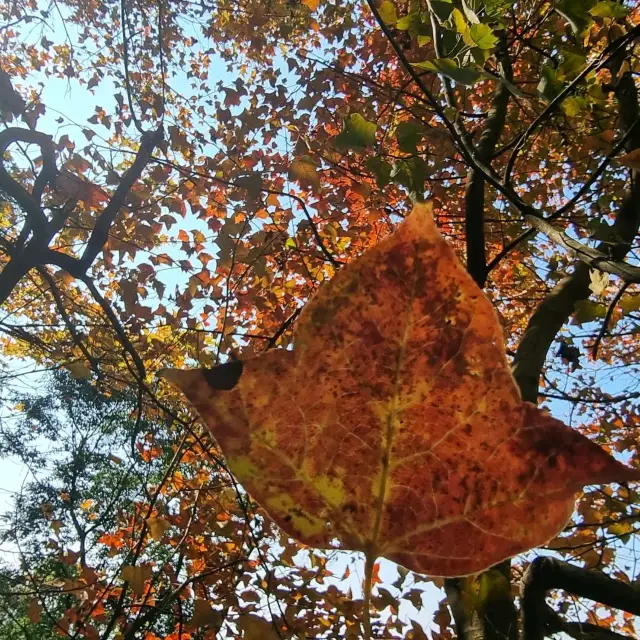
pixel 607 319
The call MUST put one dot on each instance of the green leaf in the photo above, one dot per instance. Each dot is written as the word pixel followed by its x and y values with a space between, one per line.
pixel 572 64
pixel 459 21
pixel 483 36
pixel 576 13
pixel 574 105
pixel 449 68
pixel 588 311
pixel 609 9
pixel 496 9
pixel 549 86
pixel 357 133
pixel 381 170
pixel 630 303
pixel 387 11
pixel 441 8
pixel 412 20
pixel 408 135
pixel 411 174
pixel 470 13
pixel 422 40
pixel 510 86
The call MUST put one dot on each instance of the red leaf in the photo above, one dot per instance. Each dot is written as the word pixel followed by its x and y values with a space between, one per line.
pixel 395 424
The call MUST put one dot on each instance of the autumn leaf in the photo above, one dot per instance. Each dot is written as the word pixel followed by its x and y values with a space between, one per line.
pixel 357 133
pixel 136 576
pixel 158 527
pixel 34 611
pixel 204 615
pixel 599 281
pixel 395 424
pixel 631 159
pixel 78 369
pixel 305 169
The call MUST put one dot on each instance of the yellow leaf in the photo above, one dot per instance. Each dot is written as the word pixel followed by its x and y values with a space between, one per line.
pixel 79 370
pixel 312 4
pixel 87 504
pixel 387 11
pixel 158 527
pixel 136 576
pixel 305 169
pixel 599 281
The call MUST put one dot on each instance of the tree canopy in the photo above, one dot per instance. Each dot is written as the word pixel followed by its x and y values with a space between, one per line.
pixel 179 178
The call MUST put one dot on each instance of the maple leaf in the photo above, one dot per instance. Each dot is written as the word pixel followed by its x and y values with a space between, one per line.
pixel 395 424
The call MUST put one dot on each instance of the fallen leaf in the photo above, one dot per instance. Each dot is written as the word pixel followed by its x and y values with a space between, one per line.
pixel 395 425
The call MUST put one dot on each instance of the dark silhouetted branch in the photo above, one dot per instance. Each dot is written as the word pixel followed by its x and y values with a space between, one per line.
pixel 545 574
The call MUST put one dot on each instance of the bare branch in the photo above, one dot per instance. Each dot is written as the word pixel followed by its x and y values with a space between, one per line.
pixel 545 574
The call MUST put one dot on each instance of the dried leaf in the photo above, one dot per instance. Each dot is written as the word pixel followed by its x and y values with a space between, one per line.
pixel 395 424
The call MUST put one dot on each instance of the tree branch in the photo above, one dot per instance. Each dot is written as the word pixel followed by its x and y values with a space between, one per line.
pixel 475 189
pixel 559 304
pixel 100 233
pixel 609 52
pixel 29 202
pixel 545 573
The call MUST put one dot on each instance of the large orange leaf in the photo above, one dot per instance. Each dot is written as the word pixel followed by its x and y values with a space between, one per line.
pixel 395 425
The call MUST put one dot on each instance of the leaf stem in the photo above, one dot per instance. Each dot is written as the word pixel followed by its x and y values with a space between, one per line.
pixel 370 560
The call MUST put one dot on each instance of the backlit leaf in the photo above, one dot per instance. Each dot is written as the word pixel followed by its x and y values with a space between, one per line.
pixel 357 133
pixel 609 9
pixel 395 424
pixel 158 527
pixel 79 370
pixel 305 169
pixel 449 68
pixel 136 576
pixel 599 281
pixel 482 36
pixel 387 11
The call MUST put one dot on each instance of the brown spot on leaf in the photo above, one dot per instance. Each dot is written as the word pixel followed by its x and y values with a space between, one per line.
pixel 398 408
